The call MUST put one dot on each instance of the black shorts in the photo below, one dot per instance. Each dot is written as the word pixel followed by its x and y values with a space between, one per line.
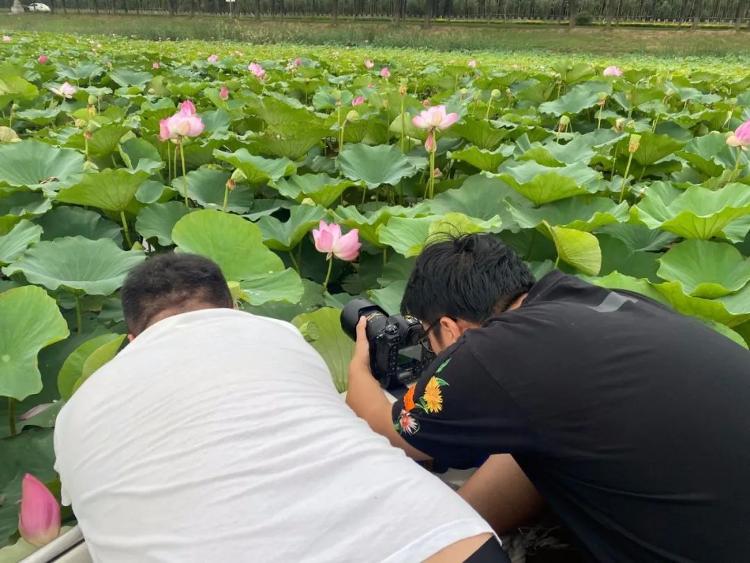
pixel 490 552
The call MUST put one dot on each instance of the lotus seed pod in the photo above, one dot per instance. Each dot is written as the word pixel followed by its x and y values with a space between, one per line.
pixel 619 124
pixel 231 184
pixel 92 100
pixel 634 143
pixel 564 121
pixel 88 134
pixel 402 90
pixel 495 93
pixel 352 116
pixel 79 123
pixel 15 107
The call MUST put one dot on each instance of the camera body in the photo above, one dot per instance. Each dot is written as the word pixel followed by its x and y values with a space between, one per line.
pixel 396 356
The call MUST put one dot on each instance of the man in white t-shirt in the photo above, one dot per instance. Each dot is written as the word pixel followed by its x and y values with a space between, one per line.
pixel 217 435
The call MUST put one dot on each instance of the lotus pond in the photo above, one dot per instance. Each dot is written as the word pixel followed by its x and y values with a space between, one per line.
pixel 626 180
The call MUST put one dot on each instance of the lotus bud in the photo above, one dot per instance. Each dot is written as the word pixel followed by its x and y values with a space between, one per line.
pixel 231 184
pixel 352 116
pixel 238 175
pixel 39 516
pixel 437 173
pixel 88 135
pixel 426 103
pixel 602 100
pixel 634 143
pixel 430 145
pixel 402 90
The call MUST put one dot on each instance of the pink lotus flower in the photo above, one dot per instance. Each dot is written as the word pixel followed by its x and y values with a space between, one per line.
pixel 358 101
pixel 612 71
pixel 472 63
pixel 39 516
pixel 213 59
pixel 385 72
pixel 741 136
pixel 42 60
pixel 297 62
pixel 184 123
pixel 434 118
pixel 257 70
pixel 7 39
pixel 328 239
pixel 369 65
pixel 224 93
pixel 156 65
pixel 66 90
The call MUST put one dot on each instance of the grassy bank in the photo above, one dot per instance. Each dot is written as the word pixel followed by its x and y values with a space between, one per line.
pixel 441 36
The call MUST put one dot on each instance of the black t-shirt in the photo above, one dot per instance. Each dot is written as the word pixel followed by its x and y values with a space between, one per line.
pixel 631 420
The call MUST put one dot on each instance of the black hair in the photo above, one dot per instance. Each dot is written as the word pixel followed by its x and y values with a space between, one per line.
pixel 471 277
pixel 171 281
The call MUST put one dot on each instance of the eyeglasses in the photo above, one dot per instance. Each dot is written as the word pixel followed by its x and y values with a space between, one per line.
pixel 424 340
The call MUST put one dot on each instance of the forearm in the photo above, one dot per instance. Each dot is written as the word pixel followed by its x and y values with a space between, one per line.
pixel 366 398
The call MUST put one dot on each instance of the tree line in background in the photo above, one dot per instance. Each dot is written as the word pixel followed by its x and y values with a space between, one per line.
pixel 570 12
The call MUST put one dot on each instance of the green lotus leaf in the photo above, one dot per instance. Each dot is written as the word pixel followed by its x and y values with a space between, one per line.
pixel 583 213
pixel 618 257
pixel 31 321
pixel 545 184
pixel 730 310
pixel 455 224
pixel 579 98
pixel 234 243
pixel 23 203
pixel 84 71
pixel 483 159
pixel 406 235
pixel 705 269
pixel 694 213
pixel 104 140
pixel 732 335
pixel 389 297
pixel 39 116
pixel 653 147
pixel 287 235
pixel 126 77
pixel 551 153
pixel 14 88
pixel 216 123
pixel 285 285
pixel 577 248
pixel 639 237
pixel 68 221
pixel 321 188
pixel 257 170
pixel 23 235
pixel 78 264
pixel 709 154
pixel 31 451
pixel 72 368
pixel 139 154
pixel 378 165
pixel 158 220
pixel 98 357
pixel 368 225
pixel 110 189
pixel 150 190
pixel 616 280
pixel 38 165
pixel 207 186
pixel 479 132
pixel 322 329
pixel 294 146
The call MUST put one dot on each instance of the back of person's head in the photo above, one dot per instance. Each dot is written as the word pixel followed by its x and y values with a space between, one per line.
pixel 471 277
pixel 172 284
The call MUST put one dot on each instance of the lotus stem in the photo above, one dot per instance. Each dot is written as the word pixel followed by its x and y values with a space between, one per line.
pixel 86 146
pixel 489 108
pixel 625 176
pixel 294 261
pixel 79 321
pixel 125 229
pixel 341 136
pixel 226 197
pixel 385 255
pixel 184 173
pixel 12 416
pixel 174 162
pixel 328 274
pixel 431 182
pixel 403 126
pixel 169 161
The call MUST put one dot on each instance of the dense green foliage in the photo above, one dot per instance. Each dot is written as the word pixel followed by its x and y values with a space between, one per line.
pixel 627 181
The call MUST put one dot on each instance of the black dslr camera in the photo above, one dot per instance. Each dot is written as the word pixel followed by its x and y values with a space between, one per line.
pixel 397 356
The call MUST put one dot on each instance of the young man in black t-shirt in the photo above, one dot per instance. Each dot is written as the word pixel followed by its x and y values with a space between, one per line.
pixel 630 420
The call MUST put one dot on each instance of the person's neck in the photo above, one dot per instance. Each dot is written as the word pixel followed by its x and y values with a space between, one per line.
pixel 518 302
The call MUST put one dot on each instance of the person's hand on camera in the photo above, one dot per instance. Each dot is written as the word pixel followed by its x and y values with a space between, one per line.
pixel 361 359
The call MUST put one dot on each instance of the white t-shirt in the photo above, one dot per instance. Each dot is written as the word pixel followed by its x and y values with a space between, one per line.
pixel 217 435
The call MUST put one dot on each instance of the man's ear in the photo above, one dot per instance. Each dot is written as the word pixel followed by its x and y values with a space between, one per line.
pixel 450 331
